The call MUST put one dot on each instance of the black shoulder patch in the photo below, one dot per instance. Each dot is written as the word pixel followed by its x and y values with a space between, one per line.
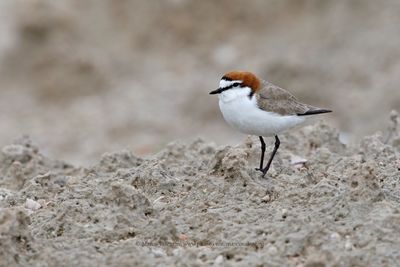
pixel 251 94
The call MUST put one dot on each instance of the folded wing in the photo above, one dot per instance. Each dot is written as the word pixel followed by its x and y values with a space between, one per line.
pixel 275 99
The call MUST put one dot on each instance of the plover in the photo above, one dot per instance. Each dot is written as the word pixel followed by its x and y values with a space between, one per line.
pixel 258 107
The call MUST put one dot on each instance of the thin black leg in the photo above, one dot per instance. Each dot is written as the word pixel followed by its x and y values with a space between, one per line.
pixel 262 154
pixel 277 143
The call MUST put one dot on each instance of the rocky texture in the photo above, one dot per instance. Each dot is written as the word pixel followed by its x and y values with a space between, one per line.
pixel 198 204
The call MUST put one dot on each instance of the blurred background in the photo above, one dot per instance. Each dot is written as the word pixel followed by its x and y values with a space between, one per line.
pixel 85 77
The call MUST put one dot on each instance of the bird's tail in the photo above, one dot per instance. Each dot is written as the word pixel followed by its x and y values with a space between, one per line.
pixel 314 111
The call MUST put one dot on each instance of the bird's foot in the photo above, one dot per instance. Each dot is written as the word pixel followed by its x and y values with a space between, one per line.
pixel 264 171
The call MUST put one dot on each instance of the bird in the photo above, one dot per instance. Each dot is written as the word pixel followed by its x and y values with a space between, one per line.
pixel 257 107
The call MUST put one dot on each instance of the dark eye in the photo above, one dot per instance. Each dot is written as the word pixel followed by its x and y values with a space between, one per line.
pixel 236 84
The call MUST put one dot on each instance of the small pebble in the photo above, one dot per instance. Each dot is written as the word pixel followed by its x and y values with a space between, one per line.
pixel 158 253
pixel 272 250
pixel 177 251
pixel 284 213
pixel 348 245
pixel 257 200
pixel 297 161
pixel 32 204
pixel 335 236
pixel 266 198
pixel 219 260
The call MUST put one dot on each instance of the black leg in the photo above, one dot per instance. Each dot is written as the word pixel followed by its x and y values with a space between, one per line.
pixel 262 154
pixel 277 143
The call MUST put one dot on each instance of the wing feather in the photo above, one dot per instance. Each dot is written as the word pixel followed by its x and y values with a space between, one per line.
pixel 272 98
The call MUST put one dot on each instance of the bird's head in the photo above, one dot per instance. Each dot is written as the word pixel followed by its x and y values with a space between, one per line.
pixel 238 80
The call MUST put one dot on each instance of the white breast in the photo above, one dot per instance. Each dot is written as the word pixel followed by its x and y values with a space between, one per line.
pixel 242 113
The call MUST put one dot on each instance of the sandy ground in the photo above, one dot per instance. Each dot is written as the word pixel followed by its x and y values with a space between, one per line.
pixel 83 78
pixel 198 204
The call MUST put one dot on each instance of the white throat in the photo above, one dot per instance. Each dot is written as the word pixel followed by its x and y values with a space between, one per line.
pixel 235 93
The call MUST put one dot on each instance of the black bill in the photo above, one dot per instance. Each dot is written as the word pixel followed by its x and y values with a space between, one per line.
pixel 218 91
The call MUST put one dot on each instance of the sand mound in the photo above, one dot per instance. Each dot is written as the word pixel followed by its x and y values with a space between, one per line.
pixel 323 204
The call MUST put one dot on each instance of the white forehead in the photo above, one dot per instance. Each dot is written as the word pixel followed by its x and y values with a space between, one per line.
pixel 224 83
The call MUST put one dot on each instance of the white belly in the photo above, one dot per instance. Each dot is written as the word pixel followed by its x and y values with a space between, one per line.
pixel 244 115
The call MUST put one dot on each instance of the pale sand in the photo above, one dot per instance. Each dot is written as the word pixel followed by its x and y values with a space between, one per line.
pixel 197 204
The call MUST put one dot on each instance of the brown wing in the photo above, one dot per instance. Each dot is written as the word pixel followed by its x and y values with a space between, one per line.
pixel 275 99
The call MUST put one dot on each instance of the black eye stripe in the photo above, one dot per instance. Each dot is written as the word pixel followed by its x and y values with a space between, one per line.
pixel 232 85
pixel 220 90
